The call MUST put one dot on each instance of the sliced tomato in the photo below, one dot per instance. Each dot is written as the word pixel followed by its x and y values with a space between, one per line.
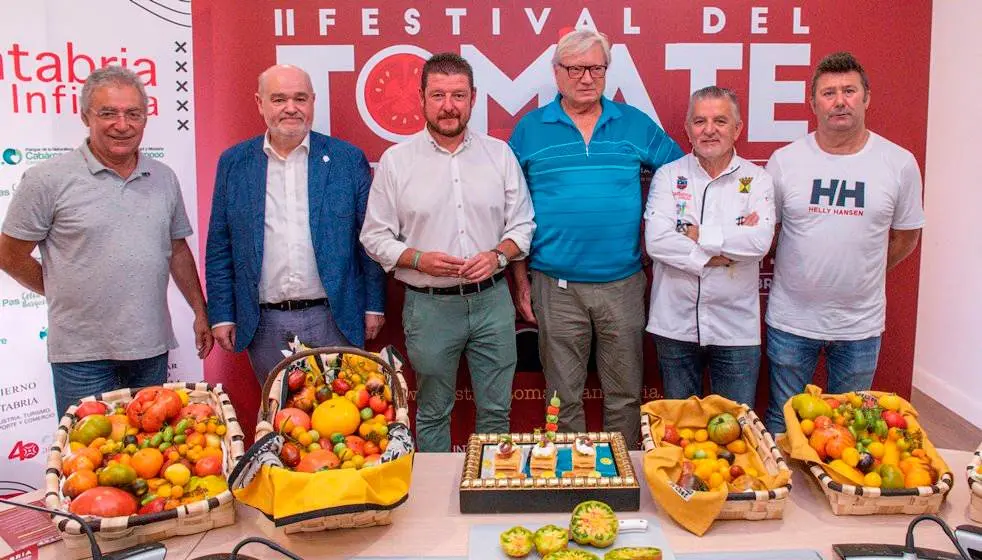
pixel 392 93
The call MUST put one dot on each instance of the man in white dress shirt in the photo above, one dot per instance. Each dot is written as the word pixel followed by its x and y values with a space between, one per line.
pixel 447 211
pixel 283 258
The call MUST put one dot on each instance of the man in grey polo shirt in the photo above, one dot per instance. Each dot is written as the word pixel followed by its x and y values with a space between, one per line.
pixel 110 224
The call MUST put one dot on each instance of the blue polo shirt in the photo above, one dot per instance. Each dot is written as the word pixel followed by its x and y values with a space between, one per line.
pixel 587 197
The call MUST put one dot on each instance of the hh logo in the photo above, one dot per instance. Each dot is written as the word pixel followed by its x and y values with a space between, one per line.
pixel 837 192
pixel 24 451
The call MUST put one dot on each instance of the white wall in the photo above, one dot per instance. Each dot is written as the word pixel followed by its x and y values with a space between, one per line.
pixel 948 354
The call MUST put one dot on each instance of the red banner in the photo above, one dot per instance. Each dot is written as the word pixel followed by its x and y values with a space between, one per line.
pixel 362 58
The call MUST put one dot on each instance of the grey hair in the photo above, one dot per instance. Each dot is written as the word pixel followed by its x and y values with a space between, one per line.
pixel 578 42
pixel 714 92
pixel 111 76
pixel 266 72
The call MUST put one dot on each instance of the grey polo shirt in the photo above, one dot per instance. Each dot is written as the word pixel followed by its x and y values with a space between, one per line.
pixel 105 248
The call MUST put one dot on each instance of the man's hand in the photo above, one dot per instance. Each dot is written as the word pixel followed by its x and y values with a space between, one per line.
pixel 203 339
pixel 373 325
pixel 225 336
pixel 436 263
pixel 750 220
pixel 692 232
pixel 479 267
pixel 719 260
pixel 523 301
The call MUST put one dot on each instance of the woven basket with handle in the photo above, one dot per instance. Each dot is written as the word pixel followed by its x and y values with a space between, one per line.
pixel 115 533
pixel 975 485
pixel 753 505
pixel 274 394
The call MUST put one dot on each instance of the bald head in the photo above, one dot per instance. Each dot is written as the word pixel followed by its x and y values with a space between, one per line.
pixel 286 102
pixel 279 71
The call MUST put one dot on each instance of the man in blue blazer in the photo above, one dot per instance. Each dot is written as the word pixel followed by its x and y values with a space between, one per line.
pixel 283 257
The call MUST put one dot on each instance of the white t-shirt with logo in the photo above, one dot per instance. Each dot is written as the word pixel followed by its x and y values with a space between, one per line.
pixel 836 212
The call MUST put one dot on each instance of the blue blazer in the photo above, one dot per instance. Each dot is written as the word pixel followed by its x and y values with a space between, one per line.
pixel 338 181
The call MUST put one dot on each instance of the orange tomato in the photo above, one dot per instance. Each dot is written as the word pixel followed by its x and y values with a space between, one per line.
pixel 196 439
pixel 78 482
pixel 917 477
pixel 822 422
pixel 147 462
pixel 86 458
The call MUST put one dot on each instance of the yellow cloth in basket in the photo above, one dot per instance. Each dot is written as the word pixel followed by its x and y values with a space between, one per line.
pixel 662 464
pixel 797 441
pixel 288 497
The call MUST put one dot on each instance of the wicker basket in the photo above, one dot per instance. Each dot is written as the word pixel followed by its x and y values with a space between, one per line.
pixel 849 499
pixel 754 505
pixel 114 533
pixel 273 391
pixel 975 485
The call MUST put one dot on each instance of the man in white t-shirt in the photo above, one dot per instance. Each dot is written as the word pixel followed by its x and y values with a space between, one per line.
pixel 849 209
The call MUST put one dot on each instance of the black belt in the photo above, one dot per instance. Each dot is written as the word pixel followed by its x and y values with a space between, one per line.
pixel 293 305
pixel 462 289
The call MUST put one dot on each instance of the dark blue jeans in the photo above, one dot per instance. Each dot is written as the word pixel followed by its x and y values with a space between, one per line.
pixel 74 380
pixel 850 364
pixel 733 370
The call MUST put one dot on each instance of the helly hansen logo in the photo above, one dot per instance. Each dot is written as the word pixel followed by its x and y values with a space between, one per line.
pixel 837 198
pixel 837 192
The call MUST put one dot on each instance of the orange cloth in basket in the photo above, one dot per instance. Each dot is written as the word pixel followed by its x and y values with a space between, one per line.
pixel 662 464
pixel 797 442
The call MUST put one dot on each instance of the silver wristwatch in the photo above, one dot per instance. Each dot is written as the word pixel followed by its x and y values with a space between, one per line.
pixel 502 258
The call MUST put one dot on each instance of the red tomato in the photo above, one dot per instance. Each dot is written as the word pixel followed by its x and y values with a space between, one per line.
pixel 104 501
pixel 208 465
pixel 90 407
pixel 297 418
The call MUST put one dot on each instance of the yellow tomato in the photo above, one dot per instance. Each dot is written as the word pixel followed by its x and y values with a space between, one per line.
pixel 722 464
pixel 738 446
pixel 690 451
pixel 705 470
pixel 872 479
pixel 701 435
pixel 876 449
pixel 851 456
pixel 715 480
pixel 686 433
pixel 807 427
pixel 177 474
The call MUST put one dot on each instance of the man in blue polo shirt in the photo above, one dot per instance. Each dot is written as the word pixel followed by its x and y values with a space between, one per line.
pixel 582 156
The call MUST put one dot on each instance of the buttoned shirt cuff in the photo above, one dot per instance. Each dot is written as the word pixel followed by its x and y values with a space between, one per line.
pixel 698 257
pixel 223 324
pixel 374 313
pixel 711 239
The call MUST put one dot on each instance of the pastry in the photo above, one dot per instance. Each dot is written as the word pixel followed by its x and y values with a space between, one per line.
pixel 542 462
pixel 584 456
pixel 507 459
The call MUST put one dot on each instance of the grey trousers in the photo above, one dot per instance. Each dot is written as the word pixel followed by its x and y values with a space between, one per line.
pixel 568 317
pixel 315 326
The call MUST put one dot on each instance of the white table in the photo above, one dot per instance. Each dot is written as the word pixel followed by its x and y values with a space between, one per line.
pixel 430 522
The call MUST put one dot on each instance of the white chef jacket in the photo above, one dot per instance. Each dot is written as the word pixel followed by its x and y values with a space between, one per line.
pixel 692 302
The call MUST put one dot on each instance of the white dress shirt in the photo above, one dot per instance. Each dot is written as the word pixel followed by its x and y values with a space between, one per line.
pixel 289 268
pixel 460 203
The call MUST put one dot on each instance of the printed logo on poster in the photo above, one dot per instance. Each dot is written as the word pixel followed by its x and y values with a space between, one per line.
pixel 24 450
pixel 11 156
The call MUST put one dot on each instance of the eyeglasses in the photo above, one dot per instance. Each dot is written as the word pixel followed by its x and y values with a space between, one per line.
pixel 134 116
pixel 576 72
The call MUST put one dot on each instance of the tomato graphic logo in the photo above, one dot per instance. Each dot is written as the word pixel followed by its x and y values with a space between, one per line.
pixel 392 93
pixel 24 451
pixel 388 92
